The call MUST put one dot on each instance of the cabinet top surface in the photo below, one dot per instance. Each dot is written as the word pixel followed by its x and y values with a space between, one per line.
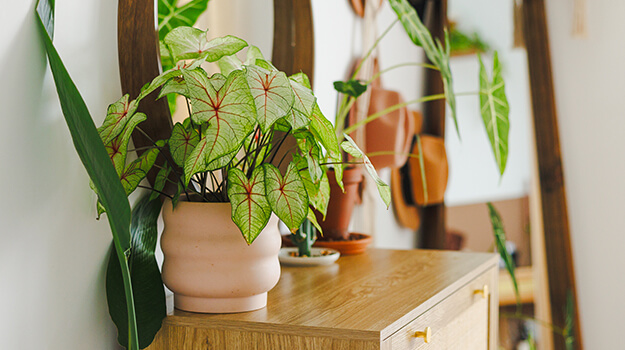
pixel 373 294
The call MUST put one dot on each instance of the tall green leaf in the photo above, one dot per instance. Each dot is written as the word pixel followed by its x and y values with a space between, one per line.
pixel 171 16
pixel 286 195
pixel 439 56
pixel 495 111
pixel 273 95
pixel 96 161
pixel 500 242
pixel 230 115
pixel 147 285
pixel 352 148
pixel 250 209
pixel 186 43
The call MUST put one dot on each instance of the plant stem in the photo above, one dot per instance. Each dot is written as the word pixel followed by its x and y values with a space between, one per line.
pixel 160 192
pixel 275 151
pixel 378 74
pixel 391 109
pixel 375 44
pixel 424 182
pixel 555 329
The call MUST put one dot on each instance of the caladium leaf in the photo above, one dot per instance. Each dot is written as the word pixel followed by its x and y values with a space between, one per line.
pixel 117 115
pixel 217 80
pixel 495 111
pixel 227 64
pixel 164 77
pixel 439 56
pixel 175 85
pixel 286 195
pixel 117 149
pixel 253 54
pixel 265 65
pixel 303 105
pixel 312 153
pixel 301 78
pixel 323 131
pixel 138 170
pixel 229 113
pixel 352 87
pixel 160 181
pixel 318 192
pixel 171 16
pixel 187 43
pixel 313 220
pixel 182 142
pixel 250 209
pixel 383 189
pixel 273 95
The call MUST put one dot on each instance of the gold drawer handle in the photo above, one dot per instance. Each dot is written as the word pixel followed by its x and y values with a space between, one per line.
pixel 425 334
pixel 484 291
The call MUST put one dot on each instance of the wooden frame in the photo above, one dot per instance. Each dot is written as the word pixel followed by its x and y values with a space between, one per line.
pixel 139 63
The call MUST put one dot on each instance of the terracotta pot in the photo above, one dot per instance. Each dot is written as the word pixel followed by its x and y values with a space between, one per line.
pixel 356 244
pixel 341 205
pixel 209 266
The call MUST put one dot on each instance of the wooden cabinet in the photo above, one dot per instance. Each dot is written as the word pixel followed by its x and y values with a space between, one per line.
pixel 378 300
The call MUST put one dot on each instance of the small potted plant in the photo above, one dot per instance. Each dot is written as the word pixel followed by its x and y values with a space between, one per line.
pixel 221 160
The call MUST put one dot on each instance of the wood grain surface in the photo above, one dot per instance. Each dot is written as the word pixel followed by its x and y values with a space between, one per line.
pixel 363 298
pixel 558 252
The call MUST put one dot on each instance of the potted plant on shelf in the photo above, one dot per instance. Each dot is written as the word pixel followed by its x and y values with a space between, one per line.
pixel 221 160
pixel 493 104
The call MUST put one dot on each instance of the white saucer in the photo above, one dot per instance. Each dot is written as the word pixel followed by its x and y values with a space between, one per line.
pixel 316 260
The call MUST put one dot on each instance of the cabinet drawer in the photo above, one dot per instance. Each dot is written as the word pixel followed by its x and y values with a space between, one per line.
pixel 460 321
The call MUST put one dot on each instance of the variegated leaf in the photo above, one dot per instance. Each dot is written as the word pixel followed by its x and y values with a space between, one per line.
pixel 286 195
pixel 250 209
pixel 191 43
pixel 117 115
pixel 318 192
pixel 495 111
pixel 227 64
pixel 273 95
pixel 182 142
pixel 117 149
pixel 171 16
pixel 138 170
pixel 383 189
pixel 164 77
pixel 229 113
pixel 303 105
pixel 253 54
pixel 160 182
pixel 324 132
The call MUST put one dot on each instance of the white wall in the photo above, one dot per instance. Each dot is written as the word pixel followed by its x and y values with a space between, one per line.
pixel 53 253
pixel 589 77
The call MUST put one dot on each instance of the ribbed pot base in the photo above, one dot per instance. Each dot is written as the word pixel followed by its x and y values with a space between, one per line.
pixel 220 305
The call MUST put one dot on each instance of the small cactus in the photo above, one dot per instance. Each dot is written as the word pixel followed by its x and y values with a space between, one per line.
pixel 304 238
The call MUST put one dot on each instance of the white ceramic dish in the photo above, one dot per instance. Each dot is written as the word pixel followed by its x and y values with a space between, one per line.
pixel 316 260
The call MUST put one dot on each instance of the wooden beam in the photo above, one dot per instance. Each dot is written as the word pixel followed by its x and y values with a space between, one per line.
pixel 433 232
pixel 558 252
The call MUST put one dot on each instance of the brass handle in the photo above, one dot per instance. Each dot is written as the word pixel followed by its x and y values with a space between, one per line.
pixel 484 291
pixel 426 334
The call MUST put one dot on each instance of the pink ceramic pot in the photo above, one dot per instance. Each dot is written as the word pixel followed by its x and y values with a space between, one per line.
pixel 209 266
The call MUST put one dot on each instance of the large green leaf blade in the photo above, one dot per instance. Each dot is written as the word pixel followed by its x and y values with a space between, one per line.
pixel 146 277
pixel 286 195
pixel 273 95
pixel 230 115
pixel 495 111
pixel 171 16
pixel 117 115
pixel 117 148
pixel 182 142
pixel 303 105
pixel 186 43
pixel 138 170
pixel 500 241
pixel 352 148
pixel 91 151
pixel 250 209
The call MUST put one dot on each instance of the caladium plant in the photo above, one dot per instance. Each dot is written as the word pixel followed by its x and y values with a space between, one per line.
pixel 226 149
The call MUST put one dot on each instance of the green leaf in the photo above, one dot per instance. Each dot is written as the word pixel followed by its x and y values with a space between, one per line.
pixel 303 105
pixel 319 191
pixel 171 16
pixel 117 115
pixel 569 314
pixel 228 64
pixel 351 87
pixel 229 113
pixel 166 76
pixel 187 43
pixel 175 85
pixel 182 142
pixel 439 56
pixel 301 78
pixel 495 111
pixel 95 160
pixel 286 195
pixel 313 220
pixel 500 242
pixel 160 182
pixel 312 153
pixel 117 149
pixel 253 54
pixel 273 95
pixel 383 189
pixel 138 170
pixel 250 209
pixel 149 294
pixel 324 132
